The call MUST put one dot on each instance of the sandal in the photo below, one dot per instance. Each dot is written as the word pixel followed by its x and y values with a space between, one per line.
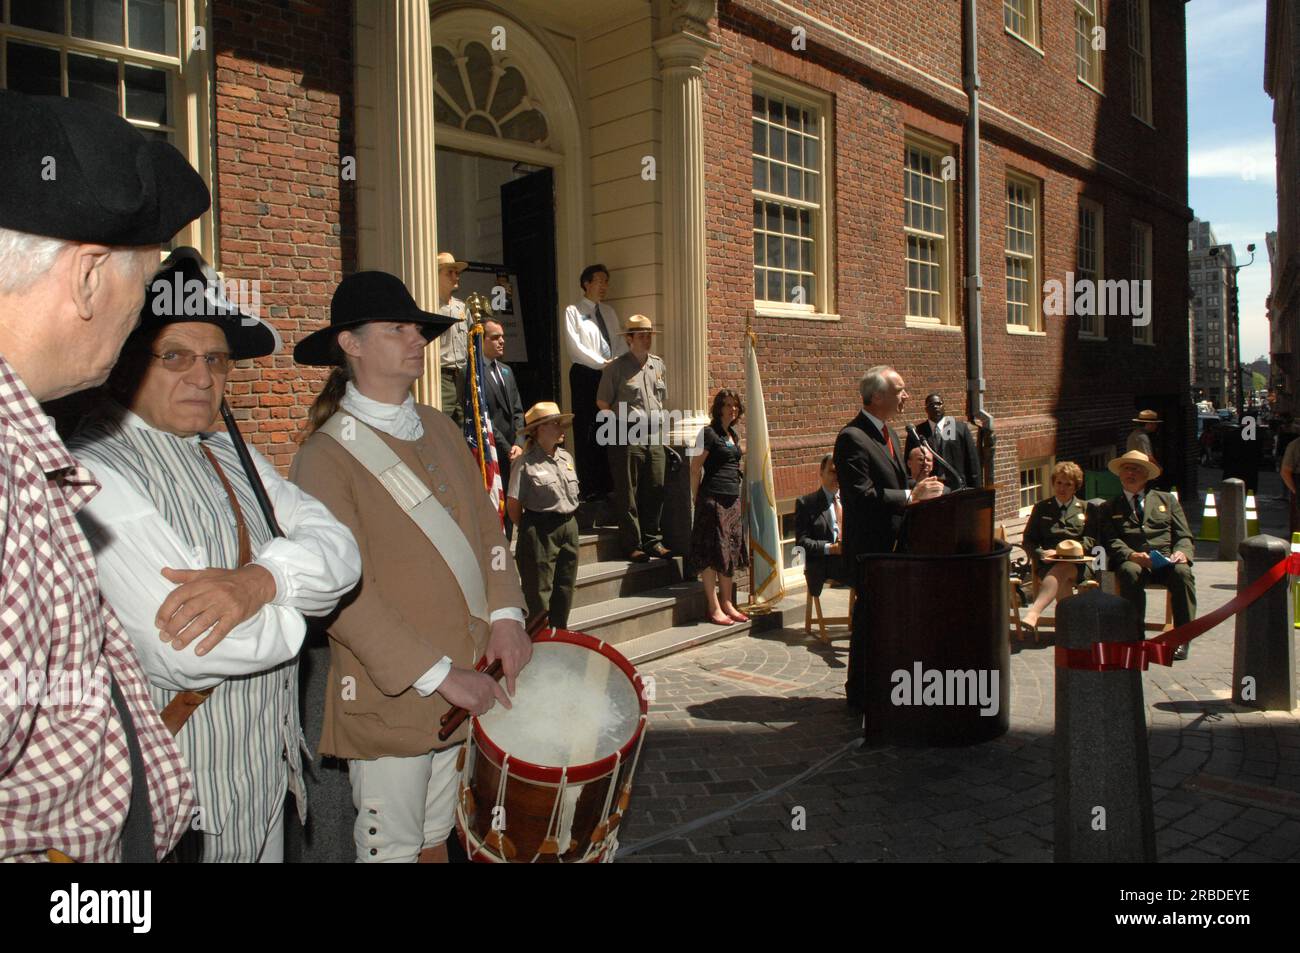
pixel 736 614
pixel 724 620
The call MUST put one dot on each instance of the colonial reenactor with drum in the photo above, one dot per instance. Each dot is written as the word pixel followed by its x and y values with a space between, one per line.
pixel 438 591
pixel 542 500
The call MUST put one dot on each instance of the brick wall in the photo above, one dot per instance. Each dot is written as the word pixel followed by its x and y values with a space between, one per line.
pixel 1051 394
pixel 284 120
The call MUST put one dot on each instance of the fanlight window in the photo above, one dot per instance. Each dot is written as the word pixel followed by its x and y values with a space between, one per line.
pixel 474 92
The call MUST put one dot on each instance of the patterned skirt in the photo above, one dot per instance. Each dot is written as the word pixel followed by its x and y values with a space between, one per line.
pixel 718 536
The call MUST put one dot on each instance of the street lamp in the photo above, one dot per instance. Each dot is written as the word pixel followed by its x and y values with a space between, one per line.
pixel 1234 316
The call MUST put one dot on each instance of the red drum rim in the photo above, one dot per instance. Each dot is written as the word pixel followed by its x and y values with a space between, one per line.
pixel 578 773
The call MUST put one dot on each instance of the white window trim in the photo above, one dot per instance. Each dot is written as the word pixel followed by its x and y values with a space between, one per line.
pixel 950 318
pixel 1035 27
pixel 1145 7
pixel 191 102
pixel 824 218
pixel 1096 54
pixel 1100 210
pixel 1036 324
pixel 1044 466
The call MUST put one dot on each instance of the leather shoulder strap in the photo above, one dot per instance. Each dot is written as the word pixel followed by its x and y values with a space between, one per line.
pixel 417 501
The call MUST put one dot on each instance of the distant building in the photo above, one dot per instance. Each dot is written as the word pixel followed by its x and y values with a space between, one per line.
pixel 1282 83
pixel 1212 331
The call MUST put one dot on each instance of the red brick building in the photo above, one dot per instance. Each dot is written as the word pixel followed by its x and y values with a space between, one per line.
pixel 807 175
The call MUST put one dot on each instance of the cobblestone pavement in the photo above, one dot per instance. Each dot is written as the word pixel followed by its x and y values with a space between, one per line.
pixel 735 718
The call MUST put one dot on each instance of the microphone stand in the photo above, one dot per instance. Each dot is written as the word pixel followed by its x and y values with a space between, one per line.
pixel 911 432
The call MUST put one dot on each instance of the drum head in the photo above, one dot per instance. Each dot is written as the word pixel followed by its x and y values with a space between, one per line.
pixel 572 706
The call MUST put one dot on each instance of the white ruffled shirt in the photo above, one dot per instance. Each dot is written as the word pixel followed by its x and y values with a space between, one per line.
pixel 403 422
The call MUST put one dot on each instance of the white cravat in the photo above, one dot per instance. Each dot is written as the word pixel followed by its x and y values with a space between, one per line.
pixel 396 420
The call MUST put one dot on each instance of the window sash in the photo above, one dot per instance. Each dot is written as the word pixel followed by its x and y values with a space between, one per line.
pixel 788 156
pixel 1087 60
pixel 925 229
pixel 1021 254
pixel 1139 46
pixel 1020 18
pixel 1140 269
pixel 1088 262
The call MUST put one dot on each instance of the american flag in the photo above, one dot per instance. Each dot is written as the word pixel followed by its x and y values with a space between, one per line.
pixel 478 426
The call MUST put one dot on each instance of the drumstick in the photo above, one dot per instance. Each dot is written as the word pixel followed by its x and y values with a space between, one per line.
pixel 455 716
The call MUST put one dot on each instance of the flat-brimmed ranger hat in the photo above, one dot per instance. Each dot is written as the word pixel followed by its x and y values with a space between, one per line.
pixel 446 258
pixel 639 322
pixel 544 412
pixel 78 172
pixel 1147 417
pixel 186 289
pixel 359 299
pixel 1138 457
pixel 1068 551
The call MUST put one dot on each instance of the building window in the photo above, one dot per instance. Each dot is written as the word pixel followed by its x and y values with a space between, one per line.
pixel 1088 265
pixel 1139 58
pixel 1023 310
pixel 478 91
pixel 926 224
pixel 1020 17
pixel 1087 59
pixel 1034 483
pixel 791 254
pixel 123 55
pixel 1140 258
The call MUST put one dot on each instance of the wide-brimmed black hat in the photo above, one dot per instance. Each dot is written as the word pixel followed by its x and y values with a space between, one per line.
pixel 187 289
pixel 361 298
pixel 78 172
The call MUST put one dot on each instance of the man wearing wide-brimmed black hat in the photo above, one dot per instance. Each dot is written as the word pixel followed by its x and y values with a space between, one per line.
pixel 212 599
pixel 86 203
pixel 438 591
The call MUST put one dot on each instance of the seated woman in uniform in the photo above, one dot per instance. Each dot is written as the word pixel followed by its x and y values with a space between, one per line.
pixel 1060 517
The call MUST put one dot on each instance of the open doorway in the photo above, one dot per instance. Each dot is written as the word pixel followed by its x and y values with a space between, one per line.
pixel 499 215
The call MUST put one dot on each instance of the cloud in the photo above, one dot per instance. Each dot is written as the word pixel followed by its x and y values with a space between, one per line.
pixel 1254 160
pixel 1219 29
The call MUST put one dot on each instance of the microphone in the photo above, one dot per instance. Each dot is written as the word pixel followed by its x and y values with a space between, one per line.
pixel 911 432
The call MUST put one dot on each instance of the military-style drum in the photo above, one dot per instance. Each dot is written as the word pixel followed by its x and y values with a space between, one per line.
pixel 550 778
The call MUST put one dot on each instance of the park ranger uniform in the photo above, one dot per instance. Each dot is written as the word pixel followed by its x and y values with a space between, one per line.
pixel 546 486
pixel 636 393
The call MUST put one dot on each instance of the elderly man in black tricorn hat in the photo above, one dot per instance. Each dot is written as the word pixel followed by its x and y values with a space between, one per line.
pixel 200 541
pixel 88 772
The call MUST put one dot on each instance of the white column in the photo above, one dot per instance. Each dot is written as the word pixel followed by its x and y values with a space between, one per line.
pixel 686 321
pixel 397 198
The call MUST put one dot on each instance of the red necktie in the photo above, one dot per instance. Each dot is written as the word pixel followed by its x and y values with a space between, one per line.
pixel 889 441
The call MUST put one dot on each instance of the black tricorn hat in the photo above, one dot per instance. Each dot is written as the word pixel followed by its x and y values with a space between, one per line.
pixel 76 171
pixel 186 289
pixel 361 298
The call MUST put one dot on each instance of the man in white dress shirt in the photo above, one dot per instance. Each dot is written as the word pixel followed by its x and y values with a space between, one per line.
pixel 213 602
pixel 453 348
pixel 592 332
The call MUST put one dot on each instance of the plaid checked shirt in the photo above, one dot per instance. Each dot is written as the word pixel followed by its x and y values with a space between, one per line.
pixel 65 769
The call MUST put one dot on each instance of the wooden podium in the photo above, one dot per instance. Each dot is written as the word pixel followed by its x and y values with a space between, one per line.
pixel 933 619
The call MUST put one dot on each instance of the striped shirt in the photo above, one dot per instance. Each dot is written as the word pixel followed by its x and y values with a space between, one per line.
pixel 65 776
pixel 164 505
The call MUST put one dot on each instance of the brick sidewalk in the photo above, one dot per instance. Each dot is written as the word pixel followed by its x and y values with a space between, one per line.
pixel 738 717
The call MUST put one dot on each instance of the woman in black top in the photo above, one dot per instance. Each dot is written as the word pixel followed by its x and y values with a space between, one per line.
pixel 718 534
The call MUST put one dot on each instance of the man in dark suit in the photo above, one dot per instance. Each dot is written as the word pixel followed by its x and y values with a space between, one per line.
pixel 951 439
pixel 504 405
pixel 874 491
pixel 818 526
pixel 1140 522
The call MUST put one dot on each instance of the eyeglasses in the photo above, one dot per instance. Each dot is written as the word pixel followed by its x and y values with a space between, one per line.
pixel 218 362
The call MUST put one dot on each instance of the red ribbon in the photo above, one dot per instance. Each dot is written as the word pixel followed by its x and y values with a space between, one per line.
pixel 1121 656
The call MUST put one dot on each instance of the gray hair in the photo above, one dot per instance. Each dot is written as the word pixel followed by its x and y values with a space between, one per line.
pixel 24 258
pixel 873 381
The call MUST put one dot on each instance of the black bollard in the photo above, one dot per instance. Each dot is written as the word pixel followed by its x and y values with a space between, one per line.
pixel 1103 774
pixel 1263 654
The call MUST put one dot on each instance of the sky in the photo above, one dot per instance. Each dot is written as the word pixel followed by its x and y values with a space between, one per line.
pixel 1232 172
